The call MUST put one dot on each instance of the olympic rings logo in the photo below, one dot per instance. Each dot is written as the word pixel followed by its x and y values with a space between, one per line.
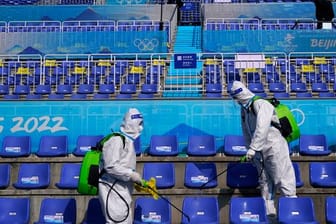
pixel 146 44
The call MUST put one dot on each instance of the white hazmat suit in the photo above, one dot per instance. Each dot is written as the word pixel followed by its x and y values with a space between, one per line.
pixel 267 148
pixel 118 164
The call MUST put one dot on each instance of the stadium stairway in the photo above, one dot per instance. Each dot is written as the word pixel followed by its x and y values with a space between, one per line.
pixel 185 82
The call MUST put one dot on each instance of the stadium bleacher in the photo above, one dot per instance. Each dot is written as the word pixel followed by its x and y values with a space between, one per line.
pixel 122 77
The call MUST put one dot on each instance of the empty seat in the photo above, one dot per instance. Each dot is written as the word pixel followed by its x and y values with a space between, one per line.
pixel 330 205
pixel 213 90
pixel 149 88
pixel 43 89
pixel 69 176
pixel 298 87
pixel 5 170
pixel 106 88
pixel 247 210
pixel 16 146
pixel 149 210
pixel 256 87
pixel 52 145
pixel 277 87
pixel 137 146
pixel 319 87
pixel 201 145
pixel 57 210
pixel 304 95
pixel 33 176
pixel 14 210
pixel 241 175
pixel 296 210
pixel 21 90
pixel 163 145
pixel 94 213
pixel 200 210
pixel 313 145
pixel 281 95
pixel 322 174
pixel 234 145
pixel 163 172
pixel 85 142
pixel 85 89
pixel 200 175
pixel 64 89
pixel 299 182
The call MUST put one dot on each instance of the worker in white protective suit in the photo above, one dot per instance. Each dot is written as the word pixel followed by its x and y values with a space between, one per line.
pixel 119 164
pixel 267 148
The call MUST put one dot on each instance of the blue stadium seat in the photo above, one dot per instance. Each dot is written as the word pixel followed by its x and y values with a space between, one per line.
pixel 322 174
pixel 33 176
pixel 21 90
pixel 313 144
pixel 5 173
pixel 85 88
pixel 326 94
pixel 200 174
pixel 4 89
pixel 149 88
pixel 78 96
pixel 234 145
pixel 319 87
pixel 52 146
pixel 281 95
pixel 304 95
pixel 247 210
pixel 298 87
pixel 299 182
pixel 296 210
pixel 213 90
pixel 277 87
pixel 43 89
pixel 106 88
pixel 32 96
pixel 137 146
pixel 200 210
pixel 14 210
pixel 241 175
pixel 256 87
pixel 69 176
pixel 94 213
pixel 163 145
pixel 85 142
pixel 149 210
pixel 101 96
pixel 58 210
pixel 163 172
pixel 330 205
pixel 16 146
pixel 201 145
pixel 64 89
pixel 55 96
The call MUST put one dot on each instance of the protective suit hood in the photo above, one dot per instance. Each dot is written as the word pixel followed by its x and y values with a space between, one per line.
pixel 240 93
pixel 132 124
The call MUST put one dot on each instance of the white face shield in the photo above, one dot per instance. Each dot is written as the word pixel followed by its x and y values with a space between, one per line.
pixel 241 94
pixel 132 124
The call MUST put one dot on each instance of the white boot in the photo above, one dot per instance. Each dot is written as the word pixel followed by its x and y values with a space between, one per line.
pixel 270 208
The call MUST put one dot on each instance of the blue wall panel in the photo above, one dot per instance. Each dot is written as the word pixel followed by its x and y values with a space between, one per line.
pixel 180 117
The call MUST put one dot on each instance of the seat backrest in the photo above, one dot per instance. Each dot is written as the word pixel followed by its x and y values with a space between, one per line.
pixel 163 172
pixel 5 170
pixel 64 89
pixel 241 175
pixel 14 210
pixel 33 176
pixel 330 205
pixel 16 146
pixel 200 210
pixel 311 144
pixel 85 142
pixel 163 145
pixel 200 174
pixel 149 210
pixel 299 181
pixel 58 210
pixel 295 210
pixel 69 176
pixel 52 145
pixel 137 146
pixel 94 213
pixel 247 210
pixel 234 145
pixel 201 145
pixel 322 174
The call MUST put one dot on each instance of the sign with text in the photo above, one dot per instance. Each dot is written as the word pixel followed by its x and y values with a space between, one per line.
pixel 185 60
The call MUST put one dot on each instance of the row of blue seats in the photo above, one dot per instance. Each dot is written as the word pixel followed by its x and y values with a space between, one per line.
pixel 149 210
pixel 160 145
pixel 197 175
pixel 82 26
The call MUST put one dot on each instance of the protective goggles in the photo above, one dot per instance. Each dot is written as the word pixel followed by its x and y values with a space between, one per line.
pixel 235 92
